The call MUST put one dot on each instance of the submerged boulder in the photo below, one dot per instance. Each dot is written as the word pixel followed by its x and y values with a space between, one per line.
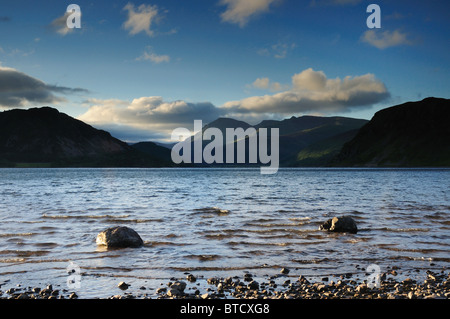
pixel 119 237
pixel 344 224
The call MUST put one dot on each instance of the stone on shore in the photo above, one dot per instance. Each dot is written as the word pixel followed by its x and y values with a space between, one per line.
pixel 119 237
pixel 191 278
pixel 123 285
pixel 176 289
pixel 284 271
pixel 178 285
pixel 344 224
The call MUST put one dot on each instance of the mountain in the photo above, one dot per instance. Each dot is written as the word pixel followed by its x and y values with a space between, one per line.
pixel 45 137
pixel 295 135
pixel 299 133
pixel 159 152
pixel 413 134
pixel 322 152
pixel 222 123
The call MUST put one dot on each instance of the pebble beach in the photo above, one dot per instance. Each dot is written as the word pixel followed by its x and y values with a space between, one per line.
pixel 435 285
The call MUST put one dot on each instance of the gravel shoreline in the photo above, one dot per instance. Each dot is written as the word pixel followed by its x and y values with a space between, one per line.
pixel 436 285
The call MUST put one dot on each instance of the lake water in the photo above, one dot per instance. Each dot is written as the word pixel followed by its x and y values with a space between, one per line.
pixel 217 222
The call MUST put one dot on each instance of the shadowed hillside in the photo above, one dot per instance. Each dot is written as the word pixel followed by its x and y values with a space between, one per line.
pixel 296 134
pixel 46 137
pixel 412 134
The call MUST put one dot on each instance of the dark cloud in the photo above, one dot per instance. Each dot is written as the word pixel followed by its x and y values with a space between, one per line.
pixel 18 89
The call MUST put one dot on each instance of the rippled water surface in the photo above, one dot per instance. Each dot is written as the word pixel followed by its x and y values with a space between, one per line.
pixel 217 222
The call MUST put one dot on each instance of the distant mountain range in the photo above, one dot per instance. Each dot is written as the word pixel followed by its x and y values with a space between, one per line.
pixel 408 135
pixel 303 141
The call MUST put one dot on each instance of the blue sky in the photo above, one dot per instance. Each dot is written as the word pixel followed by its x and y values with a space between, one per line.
pixel 142 68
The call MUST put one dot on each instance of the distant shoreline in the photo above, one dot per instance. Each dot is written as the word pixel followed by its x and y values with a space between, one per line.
pixel 48 165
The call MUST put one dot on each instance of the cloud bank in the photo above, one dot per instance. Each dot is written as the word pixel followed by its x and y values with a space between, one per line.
pixel 18 89
pixel 310 92
pixel 148 114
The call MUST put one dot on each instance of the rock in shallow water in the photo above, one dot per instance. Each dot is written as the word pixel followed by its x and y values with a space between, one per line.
pixel 344 224
pixel 119 237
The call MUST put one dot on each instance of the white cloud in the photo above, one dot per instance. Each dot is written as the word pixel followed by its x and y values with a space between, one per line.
pixel 309 80
pixel 266 84
pixel 140 19
pixel 385 39
pixel 278 51
pixel 312 91
pixel 261 83
pixel 59 25
pixel 240 11
pixel 275 86
pixel 148 113
pixel 149 55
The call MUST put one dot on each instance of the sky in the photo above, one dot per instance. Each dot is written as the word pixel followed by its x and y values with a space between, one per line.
pixel 140 69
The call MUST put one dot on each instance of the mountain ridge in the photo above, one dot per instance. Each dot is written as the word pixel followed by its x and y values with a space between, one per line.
pixel 46 137
pixel 295 133
pixel 411 134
